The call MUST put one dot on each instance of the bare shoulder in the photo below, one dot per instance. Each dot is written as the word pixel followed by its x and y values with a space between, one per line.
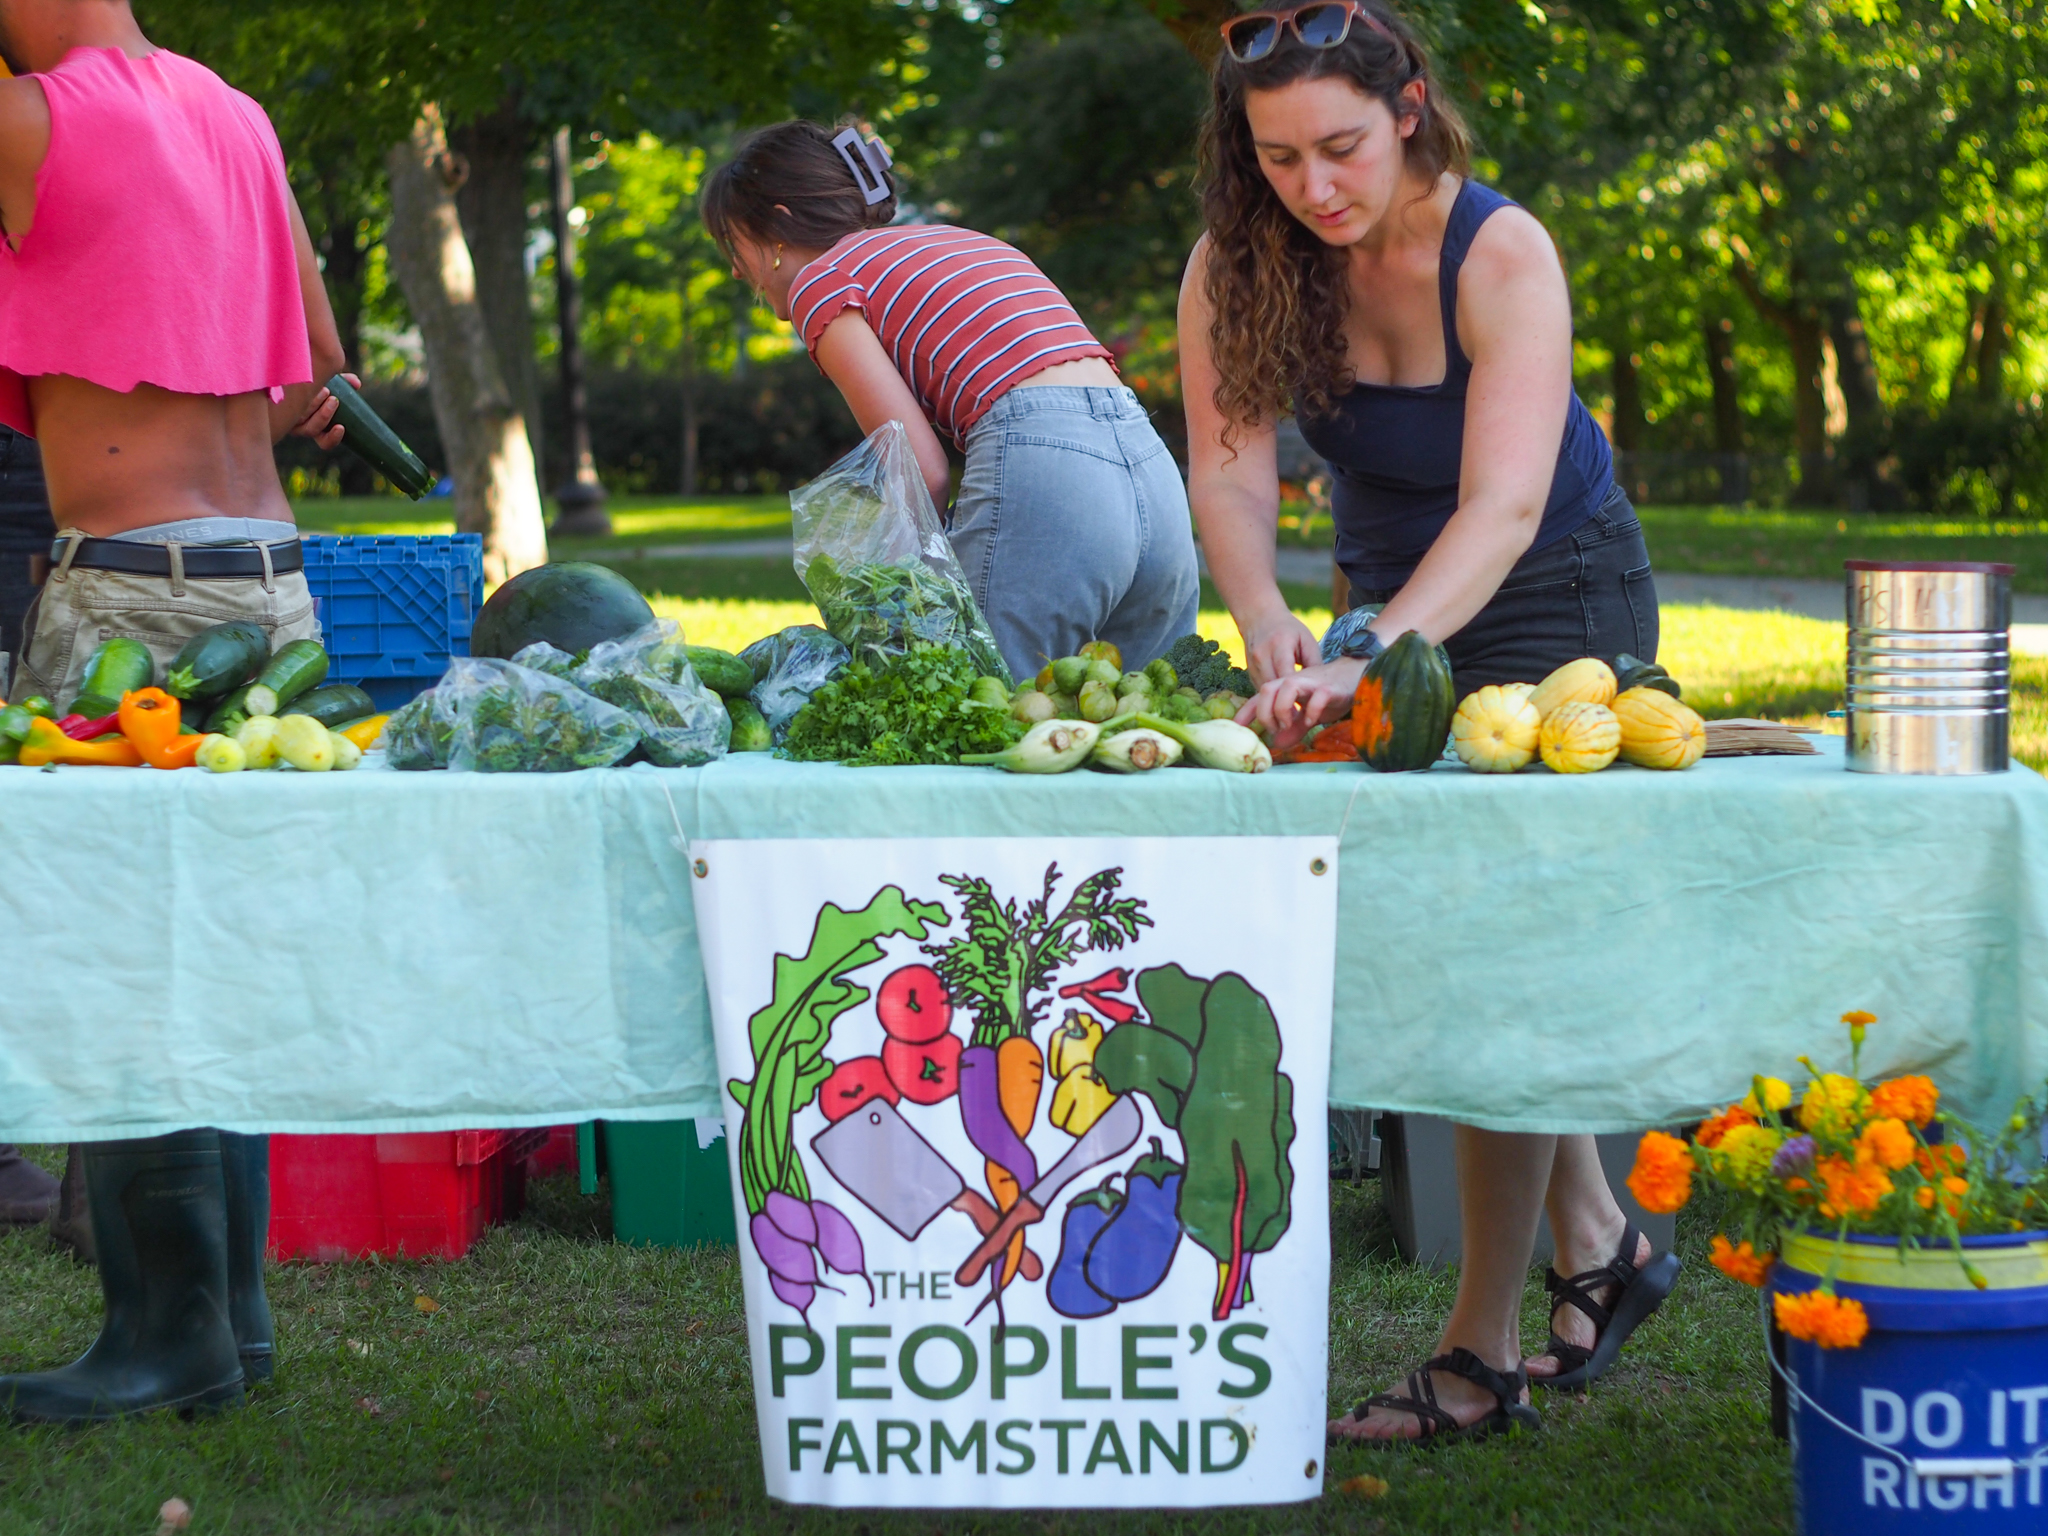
pixel 24 123
pixel 1511 245
pixel 1194 278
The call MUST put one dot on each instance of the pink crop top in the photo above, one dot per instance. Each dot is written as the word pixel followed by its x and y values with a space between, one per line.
pixel 161 251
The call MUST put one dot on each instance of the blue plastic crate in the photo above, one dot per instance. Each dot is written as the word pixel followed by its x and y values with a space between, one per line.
pixel 394 609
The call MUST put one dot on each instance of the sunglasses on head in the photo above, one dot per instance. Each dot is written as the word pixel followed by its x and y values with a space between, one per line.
pixel 1319 24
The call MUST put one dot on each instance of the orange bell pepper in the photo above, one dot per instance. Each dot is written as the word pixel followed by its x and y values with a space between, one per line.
pixel 149 719
pixel 46 744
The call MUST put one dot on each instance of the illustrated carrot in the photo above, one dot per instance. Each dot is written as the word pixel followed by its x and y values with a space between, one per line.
pixel 1020 1076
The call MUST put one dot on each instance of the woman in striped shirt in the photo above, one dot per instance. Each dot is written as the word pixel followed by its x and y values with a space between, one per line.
pixel 1072 519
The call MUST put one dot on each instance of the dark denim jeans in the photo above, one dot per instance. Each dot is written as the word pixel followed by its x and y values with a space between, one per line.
pixel 1587 594
pixel 25 532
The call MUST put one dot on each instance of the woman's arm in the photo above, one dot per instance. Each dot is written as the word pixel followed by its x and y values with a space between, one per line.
pixel 1515 323
pixel 854 358
pixel 1235 498
pixel 308 409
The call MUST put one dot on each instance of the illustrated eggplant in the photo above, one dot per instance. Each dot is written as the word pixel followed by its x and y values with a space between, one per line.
pixel 1067 1289
pixel 1130 1256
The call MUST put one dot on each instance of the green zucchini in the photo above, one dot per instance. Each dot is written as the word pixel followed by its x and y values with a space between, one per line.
pixel 230 712
pixel 749 730
pixel 216 661
pixel 720 671
pixel 297 668
pixel 375 443
pixel 119 666
pixel 335 705
pixel 93 706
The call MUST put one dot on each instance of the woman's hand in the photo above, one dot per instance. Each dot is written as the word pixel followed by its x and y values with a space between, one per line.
pixel 1276 647
pixel 1290 706
pixel 318 422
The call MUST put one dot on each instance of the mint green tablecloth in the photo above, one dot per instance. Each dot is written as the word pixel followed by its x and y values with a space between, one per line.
pixel 381 951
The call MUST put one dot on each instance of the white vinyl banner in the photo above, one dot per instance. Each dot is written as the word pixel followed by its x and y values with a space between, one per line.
pixel 1028 1148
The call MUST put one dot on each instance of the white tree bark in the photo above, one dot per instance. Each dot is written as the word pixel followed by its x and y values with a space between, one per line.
pixel 497 492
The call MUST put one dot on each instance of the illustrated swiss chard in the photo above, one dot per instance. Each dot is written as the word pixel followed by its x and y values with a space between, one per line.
pixel 1208 1057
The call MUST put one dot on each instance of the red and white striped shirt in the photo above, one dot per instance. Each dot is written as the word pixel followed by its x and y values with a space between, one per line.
pixel 963 316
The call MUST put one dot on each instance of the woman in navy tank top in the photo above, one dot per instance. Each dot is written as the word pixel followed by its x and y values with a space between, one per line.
pixel 1418 326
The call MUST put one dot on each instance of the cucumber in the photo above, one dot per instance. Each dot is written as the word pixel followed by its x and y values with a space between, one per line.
pixel 216 661
pixel 230 712
pixel 119 666
pixel 334 705
pixel 297 668
pixel 749 729
pixel 375 443
pixel 720 671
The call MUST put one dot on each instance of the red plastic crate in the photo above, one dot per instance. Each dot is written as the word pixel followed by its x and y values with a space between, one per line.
pixel 556 1154
pixel 421 1195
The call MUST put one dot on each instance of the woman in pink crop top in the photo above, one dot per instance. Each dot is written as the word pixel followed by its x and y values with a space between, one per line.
pixel 1072 518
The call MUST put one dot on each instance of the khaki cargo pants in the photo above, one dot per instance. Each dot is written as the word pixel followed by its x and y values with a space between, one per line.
pixel 77 609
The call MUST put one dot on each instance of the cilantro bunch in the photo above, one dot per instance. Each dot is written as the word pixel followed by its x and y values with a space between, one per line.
pixel 912 708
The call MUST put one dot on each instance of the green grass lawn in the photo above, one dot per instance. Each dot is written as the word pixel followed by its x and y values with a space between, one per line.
pixel 566 1384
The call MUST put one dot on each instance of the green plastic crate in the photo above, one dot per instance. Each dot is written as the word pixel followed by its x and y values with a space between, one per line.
pixel 667 1192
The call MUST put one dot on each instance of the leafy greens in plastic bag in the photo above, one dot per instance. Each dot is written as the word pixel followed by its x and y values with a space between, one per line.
pixel 648 675
pixel 513 719
pixel 789 666
pixel 876 562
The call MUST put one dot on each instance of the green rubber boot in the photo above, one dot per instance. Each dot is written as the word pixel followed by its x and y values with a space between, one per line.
pixel 159 1217
pixel 245 1169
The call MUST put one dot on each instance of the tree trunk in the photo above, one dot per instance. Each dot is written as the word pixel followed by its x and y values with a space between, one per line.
pixel 687 356
pixel 496 491
pixel 1991 351
pixel 1728 439
pixel 1810 409
pixel 1856 375
pixel 492 203
pixel 582 494
pixel 1628 418
pixel 344 264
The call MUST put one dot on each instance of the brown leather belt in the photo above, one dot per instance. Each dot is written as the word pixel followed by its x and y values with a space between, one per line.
pixel 202 562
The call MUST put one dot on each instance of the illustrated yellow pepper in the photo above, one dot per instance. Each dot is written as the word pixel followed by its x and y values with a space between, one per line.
pixel 149 719
pixel 1081 1099
pixel 1073 1043
pixel 46 744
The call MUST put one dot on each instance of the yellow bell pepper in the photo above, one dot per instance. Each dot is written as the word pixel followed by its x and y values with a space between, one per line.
pixel 1074 1043
pixel 364 732
pixel 46 744
pixel 1081 1099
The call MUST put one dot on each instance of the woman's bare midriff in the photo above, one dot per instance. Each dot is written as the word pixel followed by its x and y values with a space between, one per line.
pixel 115 462
pixel 1083 373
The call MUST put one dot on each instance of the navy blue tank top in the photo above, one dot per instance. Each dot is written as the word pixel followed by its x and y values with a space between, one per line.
pixel 1394 451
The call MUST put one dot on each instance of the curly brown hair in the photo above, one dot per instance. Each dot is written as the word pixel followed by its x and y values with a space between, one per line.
pixel 1277 294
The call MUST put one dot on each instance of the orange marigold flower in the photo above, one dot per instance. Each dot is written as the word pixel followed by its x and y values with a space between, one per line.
pixel 1742 1262
pixel 1713 1129
pixel 1956 1186
pixel 1796 1184
pixel 1851 1187
pixel 1906 1098
pixel 1858 1016
pixel 1662 1177
pixel 1887 1142
pixel 1822 1318
pixel 1933 1161
pixel 1925 1196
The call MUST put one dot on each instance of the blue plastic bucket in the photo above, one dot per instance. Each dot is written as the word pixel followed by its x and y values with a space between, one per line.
pixel 1939 1420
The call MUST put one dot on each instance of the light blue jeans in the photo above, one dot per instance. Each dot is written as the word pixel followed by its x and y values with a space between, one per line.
pixel 1072 525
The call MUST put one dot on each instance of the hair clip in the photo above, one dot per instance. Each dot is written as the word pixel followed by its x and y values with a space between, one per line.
pixel 869 160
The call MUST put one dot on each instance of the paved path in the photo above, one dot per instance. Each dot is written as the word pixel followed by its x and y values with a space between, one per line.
pixel 1310 567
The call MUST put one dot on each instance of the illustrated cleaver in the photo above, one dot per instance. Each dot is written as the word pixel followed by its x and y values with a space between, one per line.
pixel 900 1176
pixel 1115 1133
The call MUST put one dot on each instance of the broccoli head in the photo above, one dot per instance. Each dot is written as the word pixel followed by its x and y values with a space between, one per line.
pixel 1205 666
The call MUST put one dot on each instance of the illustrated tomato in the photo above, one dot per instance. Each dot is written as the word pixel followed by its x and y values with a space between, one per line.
pixel 924 1071
pixel 852 1084
pixel 913 1005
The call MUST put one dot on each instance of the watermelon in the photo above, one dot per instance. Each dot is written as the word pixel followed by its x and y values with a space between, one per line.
pixel 572 606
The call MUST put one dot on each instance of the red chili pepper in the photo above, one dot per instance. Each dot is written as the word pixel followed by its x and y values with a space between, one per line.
pixel 78 728
pixel 1093 993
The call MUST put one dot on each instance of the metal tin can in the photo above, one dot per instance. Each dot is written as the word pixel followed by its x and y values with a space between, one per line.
pixel 1930 667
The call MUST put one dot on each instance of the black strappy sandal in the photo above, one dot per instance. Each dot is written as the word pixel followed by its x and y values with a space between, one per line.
pixel 1434 1423
pixel 1642 1292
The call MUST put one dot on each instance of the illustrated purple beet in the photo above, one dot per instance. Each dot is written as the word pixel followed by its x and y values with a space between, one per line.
pixel 793 1217
pixel 839 1244
pixel 795 1293
pixel 786 1258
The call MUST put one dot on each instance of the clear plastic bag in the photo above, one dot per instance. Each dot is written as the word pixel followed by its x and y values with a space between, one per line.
pixel 876 562
pixel 418 734
pixel 543 657
pixel 648 674
pixel 513 719
pixel 789 666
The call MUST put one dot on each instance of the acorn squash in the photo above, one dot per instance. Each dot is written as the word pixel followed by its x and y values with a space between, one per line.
pixel 1579 737
pixel 1657 731
pixel 1589 680
pixel 1495 730
pixel 1402 710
